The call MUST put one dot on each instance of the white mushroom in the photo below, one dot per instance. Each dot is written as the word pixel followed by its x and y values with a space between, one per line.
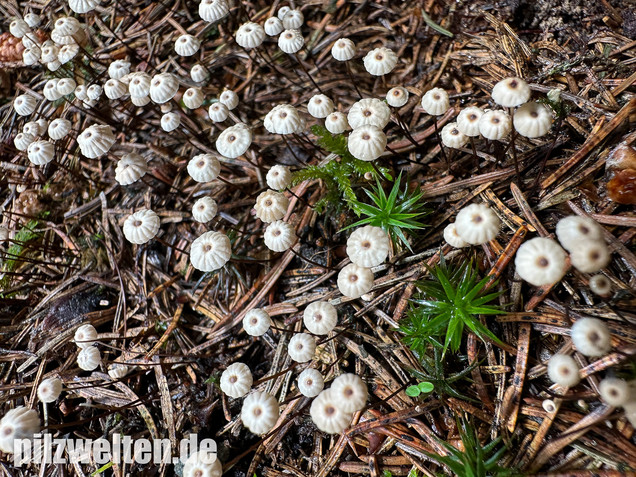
pixel 320 106
pixel 85 336
pixel 367 143
pixel 163 87
pixel 278 177
pixel 187 45
pixel 615 391
pixel 468 121
pixel 541 261
pixel 397 97
pixel 236 380
pixel 343 49
pixel 210 251
pixel 368 246
pixel 350 391
pixel 301 347
pixel 293 19
pixel 495 125
pixel 113 89
pixel 453 137
pixel 118 69
pixel 327 413
pixel 260 412
pixel 204 209
pixel 291 41
pixel 320 317
pixel 336 123
pixel 532 120
pixel 435 102
pixel 234 141
pixel 573 229
pixel 250 35
pixel 256 322
pixel 89 358
pixel 477 224
pixel 18 423
pixel 282 119
pixel 271 206
pixel 563 370
pixel 202 463
pixel 130 169
pixel 229 98
pixel 600 285
pixel 198 73
pixel 369 111
pixel 310 382
pixel 170 121
pixel 511 92
pixel 142 226
pixel 204 167
pixel 41 152
pixel 452 237
pixel 591 337
pixel 279 236
pixel 354 281
pixel 213 10
pixel 273 26
pixel 590 256
pixel 218 112
pixel 50 389
pixel 96 140
pixel 380 61
pixel 22 141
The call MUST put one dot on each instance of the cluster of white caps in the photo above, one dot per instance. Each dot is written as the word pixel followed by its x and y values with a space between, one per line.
pixel 540 261
pixel 529 118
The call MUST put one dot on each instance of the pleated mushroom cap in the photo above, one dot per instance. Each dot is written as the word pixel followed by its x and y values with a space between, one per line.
pixel 24 104
pixel 327 413
pixel 279 236
pixel 41 152
pixel 343 49
pixel 96 140
pixel 468 121
pixel 163 87
pixel 452 137
pixel 130 168
pixel 204 209
pixel 368 246
pixel 213 10
pixel 541 261
pixel 435 102
pixel 236 381
pixel 369 111
pixel 291 41
pixel 354 281
pixel 511 92
pixel 204 167
pixel 250 35
pixel 260 412
pixel 532 120
pixel 380 61
pixel 210 251
pixel 367 143
pixel 234 141
pixel 142 226
pixel 187 45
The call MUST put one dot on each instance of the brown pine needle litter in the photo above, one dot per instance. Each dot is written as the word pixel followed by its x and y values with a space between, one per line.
pixel 168 326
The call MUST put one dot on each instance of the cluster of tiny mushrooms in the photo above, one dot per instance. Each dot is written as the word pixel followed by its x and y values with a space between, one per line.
pixel 539 261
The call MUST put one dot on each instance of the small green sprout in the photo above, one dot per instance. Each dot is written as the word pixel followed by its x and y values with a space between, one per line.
pixel 422 388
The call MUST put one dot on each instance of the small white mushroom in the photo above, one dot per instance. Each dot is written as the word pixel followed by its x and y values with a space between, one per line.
pixel 213 10
pixel 187 45
pixel 229 98
pixel 130 168
pixel 291 41
pixel 563 370
pixel 367 143
pixel 260 412
pixel 85 336
pixel 541 261
pixel 256 322
pixel 18 423
pixel 468 121
pixel 343 49
pixel 204 209
pixel 279 236
pixel 250 35
pixel 320 106
pixel 354 281
pixel 350 391
pixel 368 246
pixel 495 125
pixel 327 413
pixel 278 177
pixel 271 206
pixel 369 111
pixel 118 69
pixel 511 92
pixel 452 137
pixel 204 167
pixel 141 227
pixel 193 98
pixel 601 285
pixel 573 229
pixel 532 120
pixel 273 26
pixel 198 73
pixel 293 19
pixel 96 140
pixel 477 224
pixel 41 152
pixel 435 102
pixel 310 382
pixel 282 119
pixel 234 141
pixel 615 391
pixel 320 317
pixel 397 97
pixel 236 380
pixel 89 358
pixel 50 389
pixel 170 121
pixel 163 87
pixel 591 337
pixel 336 123
pixel 218 112
pixel 59 128
pixel 24 104
pixel 210 251
pixel 301 347
pixel 590 256
pixel 380 61
pixel 452 237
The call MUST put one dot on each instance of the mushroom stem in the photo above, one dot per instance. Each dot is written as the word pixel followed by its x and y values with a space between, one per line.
pixel 404 129
pixel 292 151
pixel 353 81
pixel 304 68
pixel 163 242
pixel 439 141
pixel 546 157
pixel 330 269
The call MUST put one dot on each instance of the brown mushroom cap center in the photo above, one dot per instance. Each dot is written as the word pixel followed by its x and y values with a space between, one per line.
pixel 198 473
pixel 513 84
pixel 233 379
pixel 353 278
pixel 365 244
pixel 366 137
pixel 268 203
pixel 495 120
pixel 477 219
pixel 534 114
pixel 595 255
pixel 348 392
pixel 254 321
pixel 379 57
pixel 543 262
pixel 437 97
pixel 565 371
pixel 594 337
pixel 207 247
pixel 317 317
pixel 231 138
pixel 200 164
pixel 330 410
pixel 258 411
pixel 472 117
pixel 276 232
pixel 137 223
pixel 454 131
pixel 8 431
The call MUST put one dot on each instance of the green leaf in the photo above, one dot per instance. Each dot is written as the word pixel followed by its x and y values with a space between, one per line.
pixel 413 391
pixel 426 387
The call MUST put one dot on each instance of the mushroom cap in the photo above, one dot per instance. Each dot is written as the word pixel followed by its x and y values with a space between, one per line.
pixel 590 256
pixel 291 41
pixel 354 281
pixel 397 97
pixel 563 370
pixel 282 119
pixel 234 141
pixel 452 237
pixel 600 285
pixel 278 177
pixel 229 98
pixel 336 122
pixel 67 25
pixel 117 370
pixel 49 53
pixel 236 380
pixel 43 125
pixel 139 84
pixel 293 19
pixel 80 92
pixel 260 412
pixel 327 413
pixel 82 6
pixel 271 206
pixel 202 464
pixel 113 89
pixel 256 322
pixel 350 391
pixel 615 391
pixel 204 209
pixel 573 229
pixel 50 90
pixel 282 11
pixel 468 120
pixel 343 49
pixel 18 423
pixel 187 45
pixel 96 140
pixel 380 61
pixel 532 120
pixel 213 10
pixel 85 336
pixel 204 167
pixel 210 251
pixel 541 261
pixel 94 92
pixel 301 347
pixel 495 125
pixel 163 87
pixel 250 35
pixel 130 169
pixel 369 111
pixel 22 141
pixel 368 246
pixel 19 28
pixel 142 226
pixel 320 106
pixel 511 92
pixel 273 26
pixel 591 337
pixel 218 112
pixel 477 224
pixel 367 143
pixel 32 19
pixel 50 389
pixel 89 358
pixel 310 382
pixel 31 128
pixel 320 317
pixel 198 73
pixel 453 137
pixel 53 65
pixel 193 98
pixel 118 69
pixel 41 152
pixel 435 101
pixel 279 236
pixel 170 121
pixel 31 56
pixel 67 53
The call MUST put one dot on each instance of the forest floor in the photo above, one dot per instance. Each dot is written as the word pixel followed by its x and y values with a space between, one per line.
pixel 68 262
